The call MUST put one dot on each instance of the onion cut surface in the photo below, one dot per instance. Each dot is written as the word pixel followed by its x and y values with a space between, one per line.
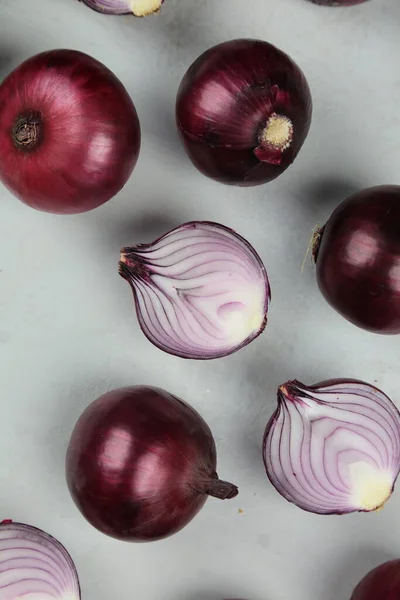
pixel 34 565
pixel 201 291
pixel 138 8
pixel 334 447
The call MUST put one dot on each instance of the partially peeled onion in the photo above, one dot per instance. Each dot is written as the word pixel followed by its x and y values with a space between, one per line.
pixel 141 463
pixel 338 2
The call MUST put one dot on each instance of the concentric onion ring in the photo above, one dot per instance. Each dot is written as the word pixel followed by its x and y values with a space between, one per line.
pixel 334 447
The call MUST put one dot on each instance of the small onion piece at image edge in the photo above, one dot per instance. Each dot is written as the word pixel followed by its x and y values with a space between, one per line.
pixel 201 291
pixel 338 2
pixel 382 583
pixel 138 8
pixel 357 257
pixel 33 564
pixel 69 132
pixel 141 463
pixel 243 112
pixel 333 447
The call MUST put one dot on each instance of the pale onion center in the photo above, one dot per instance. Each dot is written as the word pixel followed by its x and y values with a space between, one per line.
pixel 239 321
pixel 278 132
pixel 371 487
pixel 142 8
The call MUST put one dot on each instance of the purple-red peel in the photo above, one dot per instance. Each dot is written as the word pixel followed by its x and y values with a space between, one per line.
pixel 382 583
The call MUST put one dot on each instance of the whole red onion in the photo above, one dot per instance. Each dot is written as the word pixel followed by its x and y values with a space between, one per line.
pixel 338 2
pixel 243 112
pixel 357 255
pixel 141 463
pixel 382 583
pixel 69 132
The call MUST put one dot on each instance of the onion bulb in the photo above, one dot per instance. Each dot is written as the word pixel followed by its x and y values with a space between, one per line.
pixel 141 463
pixel 333 447
pixel 357 256
pixel 34 565
pixel 243 111
pixel 338 2
pixel 200 291
pixel 138 8
pixel 382 583
pixel 69 132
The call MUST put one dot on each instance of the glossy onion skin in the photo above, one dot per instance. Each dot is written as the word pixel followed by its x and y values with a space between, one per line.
pixel 90 137
pixel 382 583
pixel 224 102
pixel 338 2
pixel 139 462
pixel 358 259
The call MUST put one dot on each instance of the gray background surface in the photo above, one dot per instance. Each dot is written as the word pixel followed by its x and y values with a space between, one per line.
pixel 68 332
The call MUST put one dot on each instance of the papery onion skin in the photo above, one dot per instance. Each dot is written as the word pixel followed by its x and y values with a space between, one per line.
pixel 33 562
pixel 321 481
pixel 69 132
pixel 338 2
pixel 141 464
pixel 225 102
pixel 123 7
pixel 357 256
pixel 382 583
pixel 184 313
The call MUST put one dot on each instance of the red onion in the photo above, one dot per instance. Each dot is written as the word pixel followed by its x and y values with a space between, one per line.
pixel 338 2
pixel 139 8
pixel 69 133
pixel 243 111
pixel 201 291
pixel 141 464
pixel 382 583
pixel 34 565
pixel 333 447
pixel 357 255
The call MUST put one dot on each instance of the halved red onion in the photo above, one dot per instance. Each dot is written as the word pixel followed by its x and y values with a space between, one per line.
pixel 139 8
pixel 333 447
pixel 34 565
pixel 201 291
